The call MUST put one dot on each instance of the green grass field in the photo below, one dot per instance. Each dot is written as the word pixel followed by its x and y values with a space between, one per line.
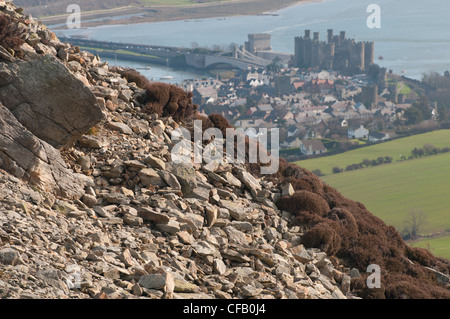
pixel 437 246
pixel 394 148
pixel 392 191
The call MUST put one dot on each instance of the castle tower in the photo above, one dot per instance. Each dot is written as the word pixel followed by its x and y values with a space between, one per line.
pixel 330 36
pixel 369 54
pixel 258 42
pixel 357 56
pixel 299 52
pixel 369 95
pixel 382 79
pixel 316 36
pixel 307 34
pixel 393 91
pixel 326 55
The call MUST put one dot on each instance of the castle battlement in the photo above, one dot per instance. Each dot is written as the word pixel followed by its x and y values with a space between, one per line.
pixel 337 53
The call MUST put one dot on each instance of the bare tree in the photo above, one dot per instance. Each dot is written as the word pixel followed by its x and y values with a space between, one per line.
pixel 414 222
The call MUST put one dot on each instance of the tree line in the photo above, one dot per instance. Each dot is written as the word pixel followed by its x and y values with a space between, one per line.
pixel 418 152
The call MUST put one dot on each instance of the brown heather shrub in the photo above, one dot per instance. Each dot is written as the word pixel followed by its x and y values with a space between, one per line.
pixel 346 220
pixel 218 121
pixel 161 98
pixel 359 286
pixel 10 35
pixel 131 75
pixel 154 108
pixel 324 237
pixel 401 286
pixel 172 100
pixel 206 122
pixel 305 201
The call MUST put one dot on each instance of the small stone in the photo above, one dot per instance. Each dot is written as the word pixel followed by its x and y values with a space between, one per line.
pixel 171 227
pixel 354 273
pixel 137 290
pixel 233 181
pixel 9 256
pixel 219 266
pixel 236 236
pixel 155 162
pixel 204 248
pixel 121 127
pixel 170 179
pixel 133 220
pixel 242 226
pixel 251 291
pixel 134 165
pixel 185 237
pixel 84 162
pixel 102 212
pixel 112 273
pixel 287 190
pixel 345 284
pixel 201 193
pixel 211 215
pixel 150 215
pixel 184 286
pixel 158 127
pixel 248 180
pixel 89 200
pixel 236 210
pixel 152 281
pixel 301 254
pixel 91 142
pixel 185 175
pixel 149 176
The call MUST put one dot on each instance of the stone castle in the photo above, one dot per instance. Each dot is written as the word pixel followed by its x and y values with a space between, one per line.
pixel 337 53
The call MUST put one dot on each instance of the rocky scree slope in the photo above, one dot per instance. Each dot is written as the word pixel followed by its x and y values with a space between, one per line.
pixel 92 206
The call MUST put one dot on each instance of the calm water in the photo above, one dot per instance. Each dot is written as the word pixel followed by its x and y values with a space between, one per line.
pixel 414 35
pixel 157 71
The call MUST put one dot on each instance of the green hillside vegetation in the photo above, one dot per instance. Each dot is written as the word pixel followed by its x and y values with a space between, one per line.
pixel 437 246
pixel 394 149
pixel 392 191
pixel 55 7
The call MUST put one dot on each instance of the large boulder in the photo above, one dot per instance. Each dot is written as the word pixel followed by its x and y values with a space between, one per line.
pixel 48 100
pixel 27 157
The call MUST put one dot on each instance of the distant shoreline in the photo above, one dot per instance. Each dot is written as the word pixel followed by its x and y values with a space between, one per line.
pixel 147 14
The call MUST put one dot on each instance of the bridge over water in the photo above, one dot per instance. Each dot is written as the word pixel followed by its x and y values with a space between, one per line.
pixel 171 56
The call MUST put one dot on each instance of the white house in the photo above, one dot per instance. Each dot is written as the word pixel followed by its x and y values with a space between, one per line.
pixel 291 142
pixel 312 147
pixel 358 132
pixel 378 136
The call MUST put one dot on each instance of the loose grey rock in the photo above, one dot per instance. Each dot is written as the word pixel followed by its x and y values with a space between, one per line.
pixel 152 281
pixel 48 100
pixel 9 256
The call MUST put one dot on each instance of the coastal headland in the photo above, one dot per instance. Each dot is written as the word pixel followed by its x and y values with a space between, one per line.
pixel 157 13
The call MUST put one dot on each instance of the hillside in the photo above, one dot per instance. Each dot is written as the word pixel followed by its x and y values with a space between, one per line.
pixel 94 13
pixel 395 149
pixel 96 204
